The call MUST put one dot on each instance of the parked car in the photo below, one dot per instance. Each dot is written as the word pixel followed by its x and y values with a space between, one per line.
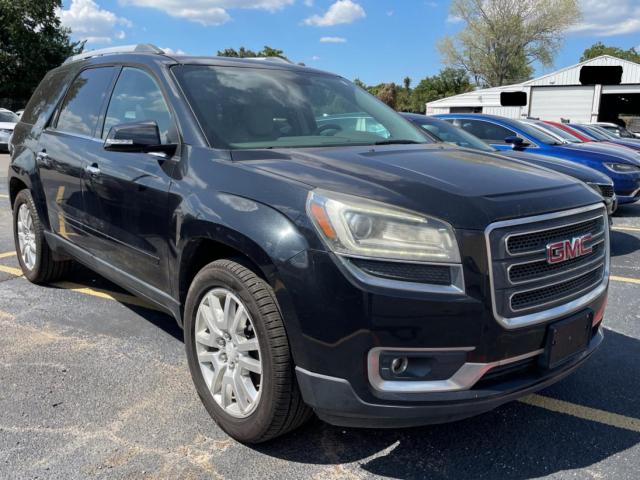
pixel 443 131
pixel 8 121
pixel 505 134
pixel 596 134
pixel 617 130
pixel 377 279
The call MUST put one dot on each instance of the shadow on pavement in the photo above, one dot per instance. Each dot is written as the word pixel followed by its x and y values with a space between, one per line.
pixel 516 441
pixel 629 210
pixel 623 243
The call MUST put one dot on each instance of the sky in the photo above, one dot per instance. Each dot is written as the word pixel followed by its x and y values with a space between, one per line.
pixel 373 40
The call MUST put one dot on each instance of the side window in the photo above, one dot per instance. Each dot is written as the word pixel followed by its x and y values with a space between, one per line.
pixel 486 131
pixel 138 98
pixel 80 109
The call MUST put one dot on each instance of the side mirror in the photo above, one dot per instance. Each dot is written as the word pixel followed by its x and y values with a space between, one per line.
pixel 516 142
pixel 139 137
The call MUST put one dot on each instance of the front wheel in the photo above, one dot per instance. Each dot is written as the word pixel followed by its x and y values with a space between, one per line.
pixel 34 255
pixel 239 354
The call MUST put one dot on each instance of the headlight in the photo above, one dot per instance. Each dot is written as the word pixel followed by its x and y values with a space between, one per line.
pixel 622 167
pixel 359 227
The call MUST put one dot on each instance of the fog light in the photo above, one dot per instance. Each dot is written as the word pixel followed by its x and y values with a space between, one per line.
pixel 399 365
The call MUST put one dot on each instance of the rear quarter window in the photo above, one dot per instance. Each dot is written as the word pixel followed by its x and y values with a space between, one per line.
pixel 45 96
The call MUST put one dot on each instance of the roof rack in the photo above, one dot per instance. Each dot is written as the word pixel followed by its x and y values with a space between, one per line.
pixel 269 59
pixel 139 48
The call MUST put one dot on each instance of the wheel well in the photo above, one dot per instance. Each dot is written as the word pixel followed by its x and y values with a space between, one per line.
pixel 15 185
pixel 199 253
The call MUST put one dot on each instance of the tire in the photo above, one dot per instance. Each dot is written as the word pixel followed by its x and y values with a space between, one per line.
pixel 38 266
pixel 279 407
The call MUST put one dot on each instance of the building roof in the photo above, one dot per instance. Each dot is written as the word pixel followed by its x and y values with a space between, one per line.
pixel 565 76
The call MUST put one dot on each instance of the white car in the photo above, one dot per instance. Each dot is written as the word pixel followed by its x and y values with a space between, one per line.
pixel 8 121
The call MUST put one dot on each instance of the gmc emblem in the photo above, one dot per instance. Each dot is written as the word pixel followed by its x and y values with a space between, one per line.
pixel 568 249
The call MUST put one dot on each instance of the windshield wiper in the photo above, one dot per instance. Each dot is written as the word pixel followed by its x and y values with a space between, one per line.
pixel 397 142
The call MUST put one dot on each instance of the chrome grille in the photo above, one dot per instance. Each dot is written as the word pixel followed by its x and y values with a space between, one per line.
pixel 526 288
pixel 535 241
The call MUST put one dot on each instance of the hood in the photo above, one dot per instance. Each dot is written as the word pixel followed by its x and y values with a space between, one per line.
pixel 466 188
pixel 608 153
pixel 573 169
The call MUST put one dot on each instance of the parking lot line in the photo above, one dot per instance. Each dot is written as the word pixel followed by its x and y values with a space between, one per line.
pixel 615 278
pixel 7 254
pixel 11 271
pixel 585 413
pixel 2 195
pixel 106 294
pixel 626 229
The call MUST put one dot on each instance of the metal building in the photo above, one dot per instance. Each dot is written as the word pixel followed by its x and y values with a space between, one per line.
pixel 558 96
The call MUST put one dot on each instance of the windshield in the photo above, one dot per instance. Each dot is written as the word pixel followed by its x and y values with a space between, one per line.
pixel 538 134
pixel 9 117
pixel 253 108
pixel 447 133
pixel 595 133
pixel 560 133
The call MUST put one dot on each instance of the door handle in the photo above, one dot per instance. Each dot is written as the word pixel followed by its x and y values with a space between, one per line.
pixel 43 159
pixel 92 170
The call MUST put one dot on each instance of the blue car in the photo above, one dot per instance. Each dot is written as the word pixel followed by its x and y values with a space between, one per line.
pixel 508 134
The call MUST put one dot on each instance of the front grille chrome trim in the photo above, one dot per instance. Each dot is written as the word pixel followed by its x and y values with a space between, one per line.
pixel 529 232
pixel 555 300
pixel 560 310
pixel 599 258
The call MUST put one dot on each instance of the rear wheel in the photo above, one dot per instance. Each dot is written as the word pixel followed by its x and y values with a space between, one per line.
pixel 34 255
pixel 239 354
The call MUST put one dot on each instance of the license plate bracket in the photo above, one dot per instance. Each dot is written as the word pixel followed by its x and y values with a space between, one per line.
pixel 567 338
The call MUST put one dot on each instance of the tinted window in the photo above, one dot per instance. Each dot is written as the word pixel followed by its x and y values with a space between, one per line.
pixel 486 131
pixel 453 135
pixel 81 107
pixel 244 108
pixel 561 133
pixel 138 98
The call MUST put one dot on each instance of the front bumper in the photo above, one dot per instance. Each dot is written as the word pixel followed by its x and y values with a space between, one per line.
pixel 336 402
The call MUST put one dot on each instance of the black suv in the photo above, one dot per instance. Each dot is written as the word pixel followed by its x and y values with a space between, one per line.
pixel 351 268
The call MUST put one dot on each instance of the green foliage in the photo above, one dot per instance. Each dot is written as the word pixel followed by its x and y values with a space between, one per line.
pixel 247 53
pixel 599 48
pixel 32 42
pixel 450 81
pixel 502 38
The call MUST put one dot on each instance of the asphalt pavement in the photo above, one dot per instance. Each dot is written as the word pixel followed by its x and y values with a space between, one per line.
pixel 94 384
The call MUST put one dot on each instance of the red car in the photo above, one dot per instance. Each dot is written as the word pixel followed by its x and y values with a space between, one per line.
pixel 570 130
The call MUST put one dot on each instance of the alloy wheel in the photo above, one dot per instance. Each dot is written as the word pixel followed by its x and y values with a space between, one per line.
pixel 27 237
pixel 228 352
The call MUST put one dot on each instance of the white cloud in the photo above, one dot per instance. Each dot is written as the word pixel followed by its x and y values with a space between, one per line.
pixel 308 3
pixel 315 58
pixel 453 19
pixel 342 11
pixel 606 18
pixel 89 22
pixel 171 51
pixel 333 40
pixel 390 13
pixel 207 12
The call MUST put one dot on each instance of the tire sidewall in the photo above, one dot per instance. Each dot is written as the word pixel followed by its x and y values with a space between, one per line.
pixel 253 426
pixel 24 198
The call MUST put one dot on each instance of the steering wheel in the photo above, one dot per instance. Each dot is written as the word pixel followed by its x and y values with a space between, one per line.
pixel 328 126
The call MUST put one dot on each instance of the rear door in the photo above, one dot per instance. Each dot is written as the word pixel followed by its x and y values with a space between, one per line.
pixel 491 133
pixel 64 149
pixel 126 193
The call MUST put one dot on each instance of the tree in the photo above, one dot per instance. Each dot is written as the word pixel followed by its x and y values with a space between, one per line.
pixel 32 42
pixel 388 93
pixel 599 48
pixel 450 81
pixel 247 53
pixel 503 38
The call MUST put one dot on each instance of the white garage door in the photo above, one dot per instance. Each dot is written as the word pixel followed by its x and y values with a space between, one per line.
pixel 556 103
